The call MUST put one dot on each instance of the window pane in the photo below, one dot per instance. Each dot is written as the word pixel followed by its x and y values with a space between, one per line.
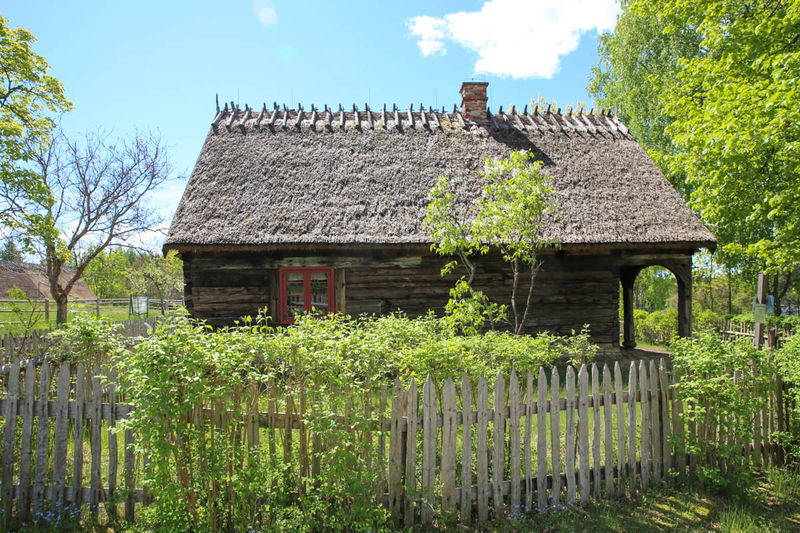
pixel 294 276
pixel 319 276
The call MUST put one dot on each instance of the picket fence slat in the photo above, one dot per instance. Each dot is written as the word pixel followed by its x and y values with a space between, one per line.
pixel 466 450
pixel 645 456
pixel 541 442
pixel 655 430
pixel 596 400
pixel 61 435
pixel 618 388
pixel 530 405
pixel 498 446
pixel 428 449
pixel 9 437
pixel 41 439
pixel 77 435
pixel 583 435
pixel 570 440
pixel 449 432
pixel 555 435
pixel 513 429
pixel 113 450
pixel 396 452
pixel 608 469
pixel 412 412
pixel 483 450
pixel 631 429
pixel 25 449
pixel 666 430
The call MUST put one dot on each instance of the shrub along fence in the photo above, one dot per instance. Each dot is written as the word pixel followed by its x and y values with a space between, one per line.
pixel 730 330
pixel 473 450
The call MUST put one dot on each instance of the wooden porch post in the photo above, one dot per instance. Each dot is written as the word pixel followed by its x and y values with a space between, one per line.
pixel 684 277
pixel 628 276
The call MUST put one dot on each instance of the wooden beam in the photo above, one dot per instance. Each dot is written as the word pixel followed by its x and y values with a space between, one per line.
pixel 261 115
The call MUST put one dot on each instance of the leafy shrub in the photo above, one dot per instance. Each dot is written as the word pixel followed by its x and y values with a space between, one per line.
pixel 788 359
pixel 705 367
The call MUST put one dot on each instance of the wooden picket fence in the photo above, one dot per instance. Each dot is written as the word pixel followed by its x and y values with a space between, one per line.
pixel 730 330
pixel 38 342
pixel 526 444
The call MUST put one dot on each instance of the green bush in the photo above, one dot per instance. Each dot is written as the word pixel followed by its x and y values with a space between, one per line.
pixel 788 359
pixel 717 385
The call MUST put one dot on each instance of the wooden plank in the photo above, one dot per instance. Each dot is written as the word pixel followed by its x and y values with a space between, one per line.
pixel 41 439
pixel 428 449
pixel 555 435
pixel 95 442
pixel 513 428
pixel 129 476
pixel 9 437
pixel 526 447
pixel 449 433
pixel 26 450
pixel 666 430
pixel 61 435
pixel 655 422
pixel 77 435
pixel 631 470
pixel 466 449
pixel 381 444
pixel 569 452
pixel 396 453
pixel 498 446
pixel 645 428
pixel 483 450
pixel 756 455
pixel 583 435
pixel 541 441
pixel 113 450
pixel 679 429
pixel 618 391
pixel 596 400
pixel 608 469
pixel 412 413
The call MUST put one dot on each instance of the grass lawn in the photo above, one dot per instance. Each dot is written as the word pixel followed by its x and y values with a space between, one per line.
pixel 773 504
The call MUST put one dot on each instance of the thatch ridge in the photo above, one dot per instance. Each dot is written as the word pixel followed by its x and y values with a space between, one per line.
pixel 327 176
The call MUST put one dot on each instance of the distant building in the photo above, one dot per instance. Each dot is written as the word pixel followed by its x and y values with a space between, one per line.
pixel 323 208
pixel 32 279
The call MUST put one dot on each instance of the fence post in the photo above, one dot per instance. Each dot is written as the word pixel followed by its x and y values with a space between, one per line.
pixel 47 310
pixel 97 307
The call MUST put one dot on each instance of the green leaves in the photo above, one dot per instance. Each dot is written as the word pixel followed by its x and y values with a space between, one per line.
pixel 28 98
pixel 508 216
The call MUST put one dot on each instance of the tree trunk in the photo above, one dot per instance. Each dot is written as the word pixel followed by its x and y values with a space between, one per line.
pixel 61 309
pixel 730 292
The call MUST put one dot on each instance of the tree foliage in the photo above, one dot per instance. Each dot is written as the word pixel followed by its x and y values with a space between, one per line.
pixel 508 216
pixel 711 89
pixel 29 96
pixel 97 197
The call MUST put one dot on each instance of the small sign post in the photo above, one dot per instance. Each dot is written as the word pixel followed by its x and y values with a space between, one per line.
pixel 140 305
pixel 760 311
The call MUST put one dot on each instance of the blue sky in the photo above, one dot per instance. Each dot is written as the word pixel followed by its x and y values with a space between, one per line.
pixel 150 65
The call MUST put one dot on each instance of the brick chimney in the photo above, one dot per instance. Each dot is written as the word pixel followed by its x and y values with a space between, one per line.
pixel 473 99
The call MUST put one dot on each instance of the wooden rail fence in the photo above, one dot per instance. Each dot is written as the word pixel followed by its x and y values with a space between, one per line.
pixel 730 330
pixel 527 444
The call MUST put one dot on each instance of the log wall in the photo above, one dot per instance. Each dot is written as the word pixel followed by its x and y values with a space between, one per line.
pixel 570 290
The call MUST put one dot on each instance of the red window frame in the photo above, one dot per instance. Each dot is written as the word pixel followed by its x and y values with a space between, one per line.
pixel 306 271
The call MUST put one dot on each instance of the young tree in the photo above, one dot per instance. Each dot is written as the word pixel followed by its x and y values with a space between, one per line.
pixel 11 252
pixel 727 100
pixel 508 216
pixel 97 192
pixel 162 276
pixel 28 96
pixel 108 274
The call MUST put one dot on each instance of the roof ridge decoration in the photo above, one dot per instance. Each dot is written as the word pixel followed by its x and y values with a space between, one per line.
pixel 572 122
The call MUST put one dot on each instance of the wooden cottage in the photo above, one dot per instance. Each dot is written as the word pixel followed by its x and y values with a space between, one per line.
pixel 294 208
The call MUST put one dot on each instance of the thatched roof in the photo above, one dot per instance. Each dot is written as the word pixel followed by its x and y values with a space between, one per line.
pixel 362 177
pixel 32 279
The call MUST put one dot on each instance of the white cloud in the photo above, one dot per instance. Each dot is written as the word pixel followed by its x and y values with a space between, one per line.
pixel 265 11
pixel 429 29
pixel 517 38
